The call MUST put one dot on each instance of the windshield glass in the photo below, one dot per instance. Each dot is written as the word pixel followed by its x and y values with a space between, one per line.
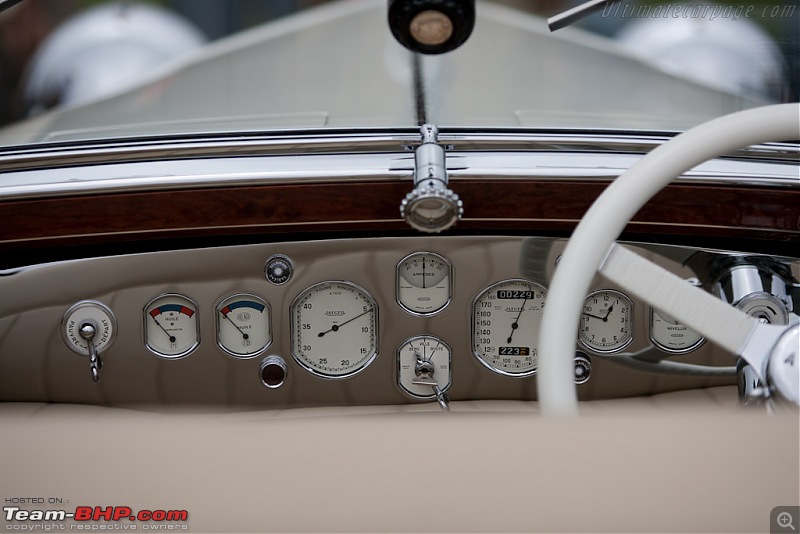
pixel 648 65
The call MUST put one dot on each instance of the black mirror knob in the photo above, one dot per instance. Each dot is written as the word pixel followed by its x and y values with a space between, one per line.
pixel 431 26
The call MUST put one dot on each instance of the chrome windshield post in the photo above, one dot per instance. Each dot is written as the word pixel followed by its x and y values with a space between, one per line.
pixel 431 206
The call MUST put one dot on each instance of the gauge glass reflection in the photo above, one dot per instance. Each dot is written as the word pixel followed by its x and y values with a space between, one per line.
pixel 243 325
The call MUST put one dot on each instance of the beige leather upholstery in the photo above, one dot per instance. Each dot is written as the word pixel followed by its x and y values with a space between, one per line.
pixel 688 462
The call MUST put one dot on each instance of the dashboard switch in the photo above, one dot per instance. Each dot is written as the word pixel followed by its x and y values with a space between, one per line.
pixel 583 368
pixel 279 269
pixel 273 371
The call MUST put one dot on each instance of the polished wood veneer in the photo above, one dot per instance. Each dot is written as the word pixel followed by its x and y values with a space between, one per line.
pixel 492 205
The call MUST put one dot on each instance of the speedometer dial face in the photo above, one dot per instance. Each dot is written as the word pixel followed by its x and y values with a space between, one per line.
pixel 505 326
pixel 334 329
pixel 424 282
pixel 606 321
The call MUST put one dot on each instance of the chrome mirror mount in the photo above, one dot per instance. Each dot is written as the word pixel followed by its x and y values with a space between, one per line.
pixel 431 206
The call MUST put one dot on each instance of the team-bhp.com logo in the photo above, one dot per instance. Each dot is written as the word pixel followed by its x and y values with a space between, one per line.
pixel 95 513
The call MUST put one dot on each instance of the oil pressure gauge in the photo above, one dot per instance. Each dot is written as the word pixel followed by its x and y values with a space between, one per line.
pixel 170 326
pixel 243 325
pixel 424 283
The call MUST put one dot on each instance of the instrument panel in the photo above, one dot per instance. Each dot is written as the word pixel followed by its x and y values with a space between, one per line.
pixel 348 321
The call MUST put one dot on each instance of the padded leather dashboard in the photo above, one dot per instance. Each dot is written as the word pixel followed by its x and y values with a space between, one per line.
pixel 35 364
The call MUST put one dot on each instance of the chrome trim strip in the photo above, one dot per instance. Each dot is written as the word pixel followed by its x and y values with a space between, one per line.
pixel 327 168
pixel 350 141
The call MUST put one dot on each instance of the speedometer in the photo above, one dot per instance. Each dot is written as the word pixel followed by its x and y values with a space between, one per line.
pixel 505 326
pixel 334 329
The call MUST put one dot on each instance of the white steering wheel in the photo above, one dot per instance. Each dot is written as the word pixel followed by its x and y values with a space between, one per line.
pixel 590 249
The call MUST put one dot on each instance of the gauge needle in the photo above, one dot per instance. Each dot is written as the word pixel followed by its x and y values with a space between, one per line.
pixel 604 319
pixel 336 327
pixel 244 336
pixel 171 337
pixel 423 273
pixel 515 324
pixel 597 316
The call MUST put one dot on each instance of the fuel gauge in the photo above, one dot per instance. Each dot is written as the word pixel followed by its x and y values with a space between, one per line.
pixel 170 326
pixel 243 325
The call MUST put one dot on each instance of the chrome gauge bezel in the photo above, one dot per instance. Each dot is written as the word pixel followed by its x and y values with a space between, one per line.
pixel 473 333
pixel 218 323
pixel 756 301
pixel 155 351
pixel 398 366
pixel 293 324
pixel 89 304
pixel 449 289
pixel 651 333
pixel 631 308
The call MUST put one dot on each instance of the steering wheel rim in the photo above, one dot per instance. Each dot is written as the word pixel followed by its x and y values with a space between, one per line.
pixel 610 213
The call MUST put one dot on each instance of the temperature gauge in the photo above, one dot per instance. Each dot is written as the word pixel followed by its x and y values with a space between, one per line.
pixel 170 326
pixel 243 325
pixel 424 283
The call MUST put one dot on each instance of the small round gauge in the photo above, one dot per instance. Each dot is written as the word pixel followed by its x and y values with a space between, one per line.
pixel 422 362
pixel 670 335
pixel 170 326
pixel 606 321
pixel 94 313
pixel 766 306
pixel 334 329
pixel 243 325
pixel 505 326
pixel 424 283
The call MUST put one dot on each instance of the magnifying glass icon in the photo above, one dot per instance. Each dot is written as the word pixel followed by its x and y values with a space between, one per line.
pixel 785 520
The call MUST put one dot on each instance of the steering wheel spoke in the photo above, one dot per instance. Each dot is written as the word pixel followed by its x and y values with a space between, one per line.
pixel 589 247
pixel 724 325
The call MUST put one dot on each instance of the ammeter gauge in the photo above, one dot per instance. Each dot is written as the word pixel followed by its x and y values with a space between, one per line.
pixel 424 283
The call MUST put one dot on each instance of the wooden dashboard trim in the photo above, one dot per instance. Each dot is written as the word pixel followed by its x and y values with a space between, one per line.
pixel 545 205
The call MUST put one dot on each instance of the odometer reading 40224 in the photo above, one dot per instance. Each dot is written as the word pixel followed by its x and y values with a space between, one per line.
pixel 505 326
pixel 334 329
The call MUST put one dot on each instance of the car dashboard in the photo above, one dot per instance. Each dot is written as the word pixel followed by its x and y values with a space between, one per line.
pixel 243 325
